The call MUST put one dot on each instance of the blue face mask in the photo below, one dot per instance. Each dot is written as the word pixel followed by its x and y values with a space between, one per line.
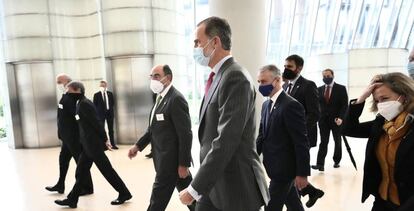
pixel 265 90
pixel 410 68
pixel 199 57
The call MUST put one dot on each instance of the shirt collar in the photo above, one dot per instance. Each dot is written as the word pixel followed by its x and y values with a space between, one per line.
pixel 163 93
pixel 276 95
pixel 217 67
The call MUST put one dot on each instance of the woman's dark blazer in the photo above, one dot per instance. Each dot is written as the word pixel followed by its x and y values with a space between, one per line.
pixel 404 162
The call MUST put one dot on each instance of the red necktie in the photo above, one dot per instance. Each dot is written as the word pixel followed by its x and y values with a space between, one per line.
pixel 327 93
pixel 209 82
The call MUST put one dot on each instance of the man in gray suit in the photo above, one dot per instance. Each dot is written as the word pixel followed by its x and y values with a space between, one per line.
pixel 230 177
pixel 170 135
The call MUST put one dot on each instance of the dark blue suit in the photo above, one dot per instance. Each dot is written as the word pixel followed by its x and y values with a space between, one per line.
pixel 285 147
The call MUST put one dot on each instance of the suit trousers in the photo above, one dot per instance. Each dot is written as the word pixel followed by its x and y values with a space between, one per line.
pixel 110 123
pixel 325 128
pixel 283 193
pixel 68 150
pixel 382 205
pixel 163 188
pixel 205 204
pixel 104 166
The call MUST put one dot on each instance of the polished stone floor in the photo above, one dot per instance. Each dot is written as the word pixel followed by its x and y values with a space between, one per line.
pixel 25 173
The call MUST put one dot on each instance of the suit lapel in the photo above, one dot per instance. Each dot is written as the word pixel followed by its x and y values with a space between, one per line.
pixel 275 110
pixel 213 87
pixel 297 85
pixel 162 104
pixel 406 145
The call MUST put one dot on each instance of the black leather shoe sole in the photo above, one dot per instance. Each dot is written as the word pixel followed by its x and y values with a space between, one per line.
pixel 121 199
pixel 336 165
pixel 314 197
pixel 318 167
pixel 66 202
pixel 55 189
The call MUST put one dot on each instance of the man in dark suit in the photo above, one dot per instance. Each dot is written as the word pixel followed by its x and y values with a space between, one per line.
pixel 170 135
pixel 68 133
pixel 304 91
pixel 104 102
pixel 94 143
pixel 333 100
pixel 283 141
pixel 230 177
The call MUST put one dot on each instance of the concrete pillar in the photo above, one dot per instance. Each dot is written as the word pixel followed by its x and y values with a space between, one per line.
pixel 248 22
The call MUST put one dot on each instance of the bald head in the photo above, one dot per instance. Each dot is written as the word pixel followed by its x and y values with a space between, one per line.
pixel 162 73
pixel 63 79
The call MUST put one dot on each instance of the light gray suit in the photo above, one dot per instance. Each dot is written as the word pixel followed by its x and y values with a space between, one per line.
pixel 230 176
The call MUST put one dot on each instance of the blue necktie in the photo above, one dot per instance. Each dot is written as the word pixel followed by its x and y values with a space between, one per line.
pixel 267 114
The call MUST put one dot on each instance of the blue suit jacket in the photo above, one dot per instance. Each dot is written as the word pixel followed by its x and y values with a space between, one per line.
pixel 284 143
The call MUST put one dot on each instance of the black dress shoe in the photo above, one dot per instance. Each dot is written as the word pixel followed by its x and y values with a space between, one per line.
pixel 149 155
pixel 121 199
pixel 66 202
pixel 318 167
pixel 314 196
pixel 115 147
pixel 86 192
pixel 56 188
pixel 336 165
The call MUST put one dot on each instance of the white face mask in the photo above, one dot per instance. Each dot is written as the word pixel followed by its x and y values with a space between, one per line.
pixel 102 89
pixel 390 109
pixel 62 88
pixel 199 57
pixel 156 86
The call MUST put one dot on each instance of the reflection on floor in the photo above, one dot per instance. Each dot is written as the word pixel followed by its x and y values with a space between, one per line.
pixel 25 173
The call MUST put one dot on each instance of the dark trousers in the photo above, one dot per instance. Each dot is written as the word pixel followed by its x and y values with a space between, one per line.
pixel 205 204
pixel 283 193
pixel 163 188
pixel 381 205
pixel 101 161
pixel 325 128
pixel 110 121
pixel 68 150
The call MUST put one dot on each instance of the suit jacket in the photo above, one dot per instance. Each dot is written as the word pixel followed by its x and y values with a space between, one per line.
pixel 169 134
pixel 101 107
pixel 404 158
pixel 91 130
pixel 306 92
pixel 67 126
pixel 284 142
pixel 230 172
pixel 337 105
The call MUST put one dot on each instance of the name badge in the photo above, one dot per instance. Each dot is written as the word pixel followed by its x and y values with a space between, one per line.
pixel 160 117
pixel 77 117
pixel 60 106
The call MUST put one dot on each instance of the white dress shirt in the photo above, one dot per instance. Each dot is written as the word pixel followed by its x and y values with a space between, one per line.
pixel 105 96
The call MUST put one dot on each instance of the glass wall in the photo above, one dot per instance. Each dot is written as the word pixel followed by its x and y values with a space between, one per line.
pixel 315 27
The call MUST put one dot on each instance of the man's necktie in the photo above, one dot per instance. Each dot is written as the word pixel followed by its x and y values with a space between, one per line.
pixel 289 89
pixel 209 82
pixel 157 101
pixel 268 112
pixel 327 93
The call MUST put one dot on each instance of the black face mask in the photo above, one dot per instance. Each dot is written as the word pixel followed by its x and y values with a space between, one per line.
pixel 327 80
pixel 75 96
pixel 289 74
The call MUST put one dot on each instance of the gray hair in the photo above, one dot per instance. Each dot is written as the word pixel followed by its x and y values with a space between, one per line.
pixel 216 26
pixel 77 85
pixel 271 68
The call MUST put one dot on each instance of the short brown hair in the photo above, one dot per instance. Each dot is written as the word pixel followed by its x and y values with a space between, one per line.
pixel 216 26
pixel 329 70
pixel 400 84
